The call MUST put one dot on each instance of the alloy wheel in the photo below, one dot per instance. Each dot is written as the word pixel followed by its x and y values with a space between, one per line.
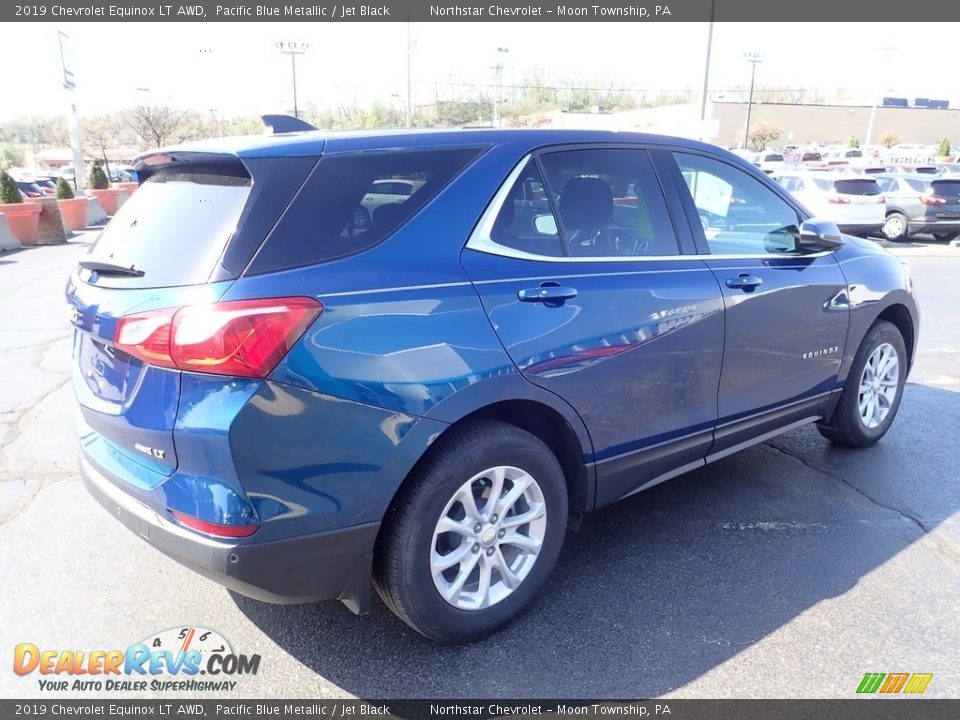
pixel 879 384
pixel 488 538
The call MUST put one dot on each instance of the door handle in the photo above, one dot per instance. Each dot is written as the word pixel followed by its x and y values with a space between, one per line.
pixel 744 282
pixel 548 294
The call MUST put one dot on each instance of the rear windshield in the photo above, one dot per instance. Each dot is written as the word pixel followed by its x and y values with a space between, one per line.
pixel 176 225
pixel 853 153
pixel 807 157
pixel 352 202
pixel 857 187
pixel 773 158
pixel 947 188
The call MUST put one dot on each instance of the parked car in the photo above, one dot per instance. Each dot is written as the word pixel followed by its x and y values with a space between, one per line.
pixel 551 321
pixel 30 189
pixel 384 192
pixel 855 202
pixel 770 162
pixel 920 203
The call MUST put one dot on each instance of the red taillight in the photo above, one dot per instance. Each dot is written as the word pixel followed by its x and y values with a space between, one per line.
pixel 245 338
pixel 932 200
pixel 215 529
pixel 837 200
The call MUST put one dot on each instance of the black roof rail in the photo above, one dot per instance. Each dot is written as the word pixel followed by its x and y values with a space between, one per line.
pixel 285 124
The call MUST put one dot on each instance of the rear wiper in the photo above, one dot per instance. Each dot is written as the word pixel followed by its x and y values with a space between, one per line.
pixel 106 268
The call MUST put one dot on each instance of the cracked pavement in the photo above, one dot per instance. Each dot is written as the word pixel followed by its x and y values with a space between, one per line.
pixel 788 570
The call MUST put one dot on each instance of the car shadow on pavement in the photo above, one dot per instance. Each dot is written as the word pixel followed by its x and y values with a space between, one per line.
pixel 657 590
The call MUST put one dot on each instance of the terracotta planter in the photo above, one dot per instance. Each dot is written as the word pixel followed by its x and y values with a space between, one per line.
pixel 23 220
pixel 74 213
pixel 130 187
pixel 109 199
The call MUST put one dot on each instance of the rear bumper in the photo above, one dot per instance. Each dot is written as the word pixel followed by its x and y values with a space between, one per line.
pixel 323 566
pixel 930 225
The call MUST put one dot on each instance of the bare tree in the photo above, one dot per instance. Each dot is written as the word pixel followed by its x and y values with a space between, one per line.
pixel 762 133
pixel 101 133
pixel 156 125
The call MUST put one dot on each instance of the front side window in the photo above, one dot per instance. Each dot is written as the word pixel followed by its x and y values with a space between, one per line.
pixel 609 203
pixel 738 213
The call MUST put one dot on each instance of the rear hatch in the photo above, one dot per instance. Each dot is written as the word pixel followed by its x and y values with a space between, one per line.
pixel 180 240
pixel 943 201
pixel 855 200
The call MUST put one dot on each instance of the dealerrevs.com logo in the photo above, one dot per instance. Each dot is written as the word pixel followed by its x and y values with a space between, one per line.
pixel 189 659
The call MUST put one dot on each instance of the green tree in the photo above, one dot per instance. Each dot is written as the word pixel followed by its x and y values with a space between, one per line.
pixel 64 191
pixel 944 148
pixel 854 142
pixel 9 192
pixel 98 178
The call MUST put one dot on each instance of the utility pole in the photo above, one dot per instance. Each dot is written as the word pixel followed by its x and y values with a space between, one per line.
pixel 293 49
pixel 754 58
pixel 498 100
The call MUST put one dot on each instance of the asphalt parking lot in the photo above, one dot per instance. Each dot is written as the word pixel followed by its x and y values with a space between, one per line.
pixel 789 570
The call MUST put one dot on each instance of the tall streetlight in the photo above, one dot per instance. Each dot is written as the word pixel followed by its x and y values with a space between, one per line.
pixel 498 102
pixel 754 58
pixel 293 49
pixel 876 96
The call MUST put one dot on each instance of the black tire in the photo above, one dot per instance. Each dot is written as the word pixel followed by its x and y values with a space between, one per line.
pixel 947 237
pixel 402 571
pixel 896 236
pixel 846 426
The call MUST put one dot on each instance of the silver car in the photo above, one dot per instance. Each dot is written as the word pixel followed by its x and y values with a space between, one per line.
pixel 920 203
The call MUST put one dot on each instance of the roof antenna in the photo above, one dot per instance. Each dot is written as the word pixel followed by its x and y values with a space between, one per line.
pixel 285 124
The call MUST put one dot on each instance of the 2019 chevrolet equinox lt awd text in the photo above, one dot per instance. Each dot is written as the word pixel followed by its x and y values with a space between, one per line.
pixel 302 406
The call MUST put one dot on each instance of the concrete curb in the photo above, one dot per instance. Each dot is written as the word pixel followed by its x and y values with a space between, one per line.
pixel 7 240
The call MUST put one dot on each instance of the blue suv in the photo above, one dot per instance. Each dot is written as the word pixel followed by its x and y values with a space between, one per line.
pixel 309 363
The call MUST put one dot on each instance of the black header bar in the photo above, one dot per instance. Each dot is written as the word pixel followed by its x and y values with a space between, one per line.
pixel 858 11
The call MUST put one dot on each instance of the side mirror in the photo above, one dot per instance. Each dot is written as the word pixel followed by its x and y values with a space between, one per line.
pixel 817 235
pixel 545 224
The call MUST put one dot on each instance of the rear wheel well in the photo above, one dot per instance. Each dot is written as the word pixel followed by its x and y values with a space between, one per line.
pixel 900 316
pixel 546 424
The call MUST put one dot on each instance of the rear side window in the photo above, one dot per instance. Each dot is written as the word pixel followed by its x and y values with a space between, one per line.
pixel 918 185
pixel 352 202
pixel 857 187
pixel 177 224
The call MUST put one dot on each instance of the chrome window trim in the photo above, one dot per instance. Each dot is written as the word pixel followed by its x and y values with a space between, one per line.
pixel 481 241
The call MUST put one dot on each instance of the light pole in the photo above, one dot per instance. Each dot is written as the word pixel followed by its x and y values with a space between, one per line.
pixel 498 102
pixel 754 58
pixel 409 117
pixel 293 49
pixel 873 109
pixel 706 70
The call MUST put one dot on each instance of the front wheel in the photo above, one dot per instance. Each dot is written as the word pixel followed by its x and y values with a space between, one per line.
pixel 872 393
pixel 474 536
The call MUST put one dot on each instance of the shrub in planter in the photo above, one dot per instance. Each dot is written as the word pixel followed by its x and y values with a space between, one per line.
pixel 98 178
pixel 944 148
pixel 100 186
pixel 64 191
pixel 22 218
pixel 73 210
pixel 9 192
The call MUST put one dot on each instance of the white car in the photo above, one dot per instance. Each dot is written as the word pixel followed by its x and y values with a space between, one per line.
pixel 384 192
pixel 854 202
